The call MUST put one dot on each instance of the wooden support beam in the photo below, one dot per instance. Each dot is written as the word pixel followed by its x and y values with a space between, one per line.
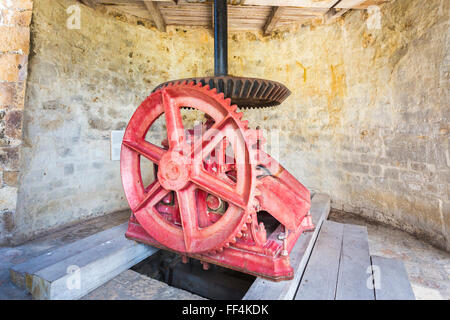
pixel 73 270
pixel 157 17
pixel 22 274
pixel 212 17
pixel 333 14
pixel 272 20
pixel 89 3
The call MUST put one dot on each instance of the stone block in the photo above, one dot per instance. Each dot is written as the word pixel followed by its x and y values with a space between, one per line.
pixel 14 39
pixel 9 158
pixel 390 173
pixel 11 178
pixel 20 4
pixel 8 198
pixel 375 170
pixel 356 167
pixel 68 169
pixel 15 18
pixel 10 66
pixel 7 94
pixel 13 121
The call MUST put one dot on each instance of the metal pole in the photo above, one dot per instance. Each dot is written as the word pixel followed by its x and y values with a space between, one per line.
pixel 220 38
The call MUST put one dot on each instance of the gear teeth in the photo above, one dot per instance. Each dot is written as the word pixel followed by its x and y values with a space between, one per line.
pixel 251 138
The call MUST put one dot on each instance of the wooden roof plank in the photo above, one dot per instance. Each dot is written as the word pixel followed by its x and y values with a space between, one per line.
pixel 261 12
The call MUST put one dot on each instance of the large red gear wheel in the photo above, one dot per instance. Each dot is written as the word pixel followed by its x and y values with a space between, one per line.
pixel 181 170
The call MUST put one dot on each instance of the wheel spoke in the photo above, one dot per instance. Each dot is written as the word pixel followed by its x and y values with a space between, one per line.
pixel 154 195
pixel 208 141
pixel 212 184
pixel 188 212
pixel 146 149
pixel 174 123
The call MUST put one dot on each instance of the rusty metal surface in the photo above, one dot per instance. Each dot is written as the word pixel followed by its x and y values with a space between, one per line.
pixel 243 91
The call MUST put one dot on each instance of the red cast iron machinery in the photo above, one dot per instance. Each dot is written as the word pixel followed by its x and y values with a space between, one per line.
pixel 216 193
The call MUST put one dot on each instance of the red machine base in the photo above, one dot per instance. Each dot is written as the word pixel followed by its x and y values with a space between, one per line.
pixel 240 257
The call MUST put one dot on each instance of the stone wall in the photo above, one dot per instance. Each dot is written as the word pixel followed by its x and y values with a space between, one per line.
pixel 15 17
pixel 367 121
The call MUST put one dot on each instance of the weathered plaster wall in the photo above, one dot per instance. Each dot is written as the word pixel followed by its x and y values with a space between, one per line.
pixel 367 121
pixel 15 17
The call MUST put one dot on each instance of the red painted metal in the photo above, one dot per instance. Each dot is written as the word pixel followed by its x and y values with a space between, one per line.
pixel 212 184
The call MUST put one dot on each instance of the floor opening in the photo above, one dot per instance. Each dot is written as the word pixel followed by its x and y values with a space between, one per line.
pixel 217 283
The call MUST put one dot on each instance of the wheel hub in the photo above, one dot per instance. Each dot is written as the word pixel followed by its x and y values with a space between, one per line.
pixel 173 172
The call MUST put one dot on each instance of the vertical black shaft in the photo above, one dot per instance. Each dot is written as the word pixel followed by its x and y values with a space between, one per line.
pixel 220 38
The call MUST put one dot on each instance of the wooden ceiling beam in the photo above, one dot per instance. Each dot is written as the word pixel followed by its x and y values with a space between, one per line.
pixel 272 20
pixel 157 17
pixel 333 14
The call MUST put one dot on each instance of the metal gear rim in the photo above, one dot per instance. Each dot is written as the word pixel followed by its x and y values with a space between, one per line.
pixel 243 91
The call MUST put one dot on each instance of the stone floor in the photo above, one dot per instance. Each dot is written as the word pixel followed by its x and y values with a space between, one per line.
pixel 130 285
pixel 428 268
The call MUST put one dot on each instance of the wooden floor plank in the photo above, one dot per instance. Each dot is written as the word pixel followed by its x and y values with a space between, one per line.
pixel 263 289
pixel 320 278
pixel 391 280
pixel 20 274
pixel 80 274
pixel 355 265
pixel 85 266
